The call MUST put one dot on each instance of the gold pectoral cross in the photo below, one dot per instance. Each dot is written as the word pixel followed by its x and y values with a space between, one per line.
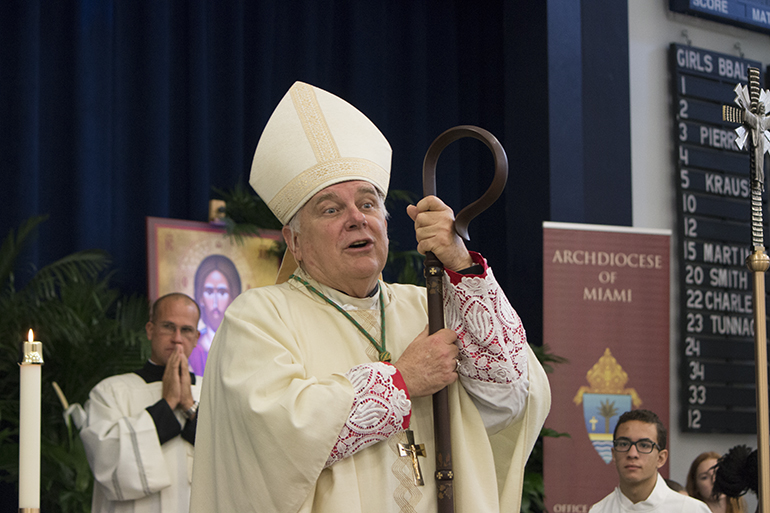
pixel 413 450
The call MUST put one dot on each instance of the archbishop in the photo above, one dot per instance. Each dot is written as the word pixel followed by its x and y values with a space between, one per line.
pixel 317 395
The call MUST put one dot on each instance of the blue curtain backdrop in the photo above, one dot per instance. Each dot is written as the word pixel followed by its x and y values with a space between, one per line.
pixel 111 111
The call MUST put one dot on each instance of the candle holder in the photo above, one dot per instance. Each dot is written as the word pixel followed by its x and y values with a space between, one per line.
pixel 32 353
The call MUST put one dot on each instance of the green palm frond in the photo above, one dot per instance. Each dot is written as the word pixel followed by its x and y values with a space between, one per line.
pixel 396 196
pixel 546 357
pixel 407 265
pixel 247 215
pixel 246 210
pixel 80 267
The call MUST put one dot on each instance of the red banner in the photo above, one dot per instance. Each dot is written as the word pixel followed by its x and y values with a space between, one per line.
pixel 606 309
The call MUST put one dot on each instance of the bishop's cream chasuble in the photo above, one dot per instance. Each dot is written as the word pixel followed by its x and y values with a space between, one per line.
pixel 275 400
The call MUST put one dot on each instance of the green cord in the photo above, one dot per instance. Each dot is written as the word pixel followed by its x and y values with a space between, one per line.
pixel 384 355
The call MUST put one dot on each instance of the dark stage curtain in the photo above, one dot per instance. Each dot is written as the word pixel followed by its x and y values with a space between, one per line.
pixel 111 111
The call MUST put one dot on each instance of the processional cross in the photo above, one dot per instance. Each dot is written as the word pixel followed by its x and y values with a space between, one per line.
pixel 413 450
pixel 752 115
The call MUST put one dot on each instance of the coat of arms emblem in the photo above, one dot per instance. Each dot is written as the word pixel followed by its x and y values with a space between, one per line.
pixel 606 399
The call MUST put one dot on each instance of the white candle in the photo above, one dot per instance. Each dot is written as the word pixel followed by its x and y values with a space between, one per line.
pixel 29 425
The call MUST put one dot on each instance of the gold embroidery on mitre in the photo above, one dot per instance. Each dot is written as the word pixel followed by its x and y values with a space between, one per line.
pixel 314 123
pixel 607 377
pixel 287 201
pixel 406 495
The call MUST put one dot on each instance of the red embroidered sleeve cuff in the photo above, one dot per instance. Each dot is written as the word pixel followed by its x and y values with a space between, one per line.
pixel 381 408
pixel 456 277
pixel 398 381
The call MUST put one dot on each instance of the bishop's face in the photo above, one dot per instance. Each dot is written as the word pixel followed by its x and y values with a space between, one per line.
pixel 343 240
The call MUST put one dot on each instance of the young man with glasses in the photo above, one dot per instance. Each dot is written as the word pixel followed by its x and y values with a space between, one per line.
pixel 140 432
pixel 639 450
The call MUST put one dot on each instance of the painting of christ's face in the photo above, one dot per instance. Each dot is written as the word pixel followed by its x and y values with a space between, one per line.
pixel 215 299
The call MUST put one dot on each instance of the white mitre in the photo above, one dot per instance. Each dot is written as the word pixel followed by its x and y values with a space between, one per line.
pixel 312 140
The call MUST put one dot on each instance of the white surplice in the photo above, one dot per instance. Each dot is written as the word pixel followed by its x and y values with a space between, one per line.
pixel 133 472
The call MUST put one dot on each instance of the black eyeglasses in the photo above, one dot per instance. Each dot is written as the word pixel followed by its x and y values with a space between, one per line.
pixel 644 446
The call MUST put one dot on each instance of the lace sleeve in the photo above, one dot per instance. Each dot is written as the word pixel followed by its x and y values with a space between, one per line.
pixel 381 408
pixel 491 338
pixel 490 332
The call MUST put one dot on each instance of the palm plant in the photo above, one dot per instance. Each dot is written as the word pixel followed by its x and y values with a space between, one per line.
pixel 89 331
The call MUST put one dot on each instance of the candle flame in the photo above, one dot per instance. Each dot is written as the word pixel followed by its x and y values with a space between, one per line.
pixel 31 335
